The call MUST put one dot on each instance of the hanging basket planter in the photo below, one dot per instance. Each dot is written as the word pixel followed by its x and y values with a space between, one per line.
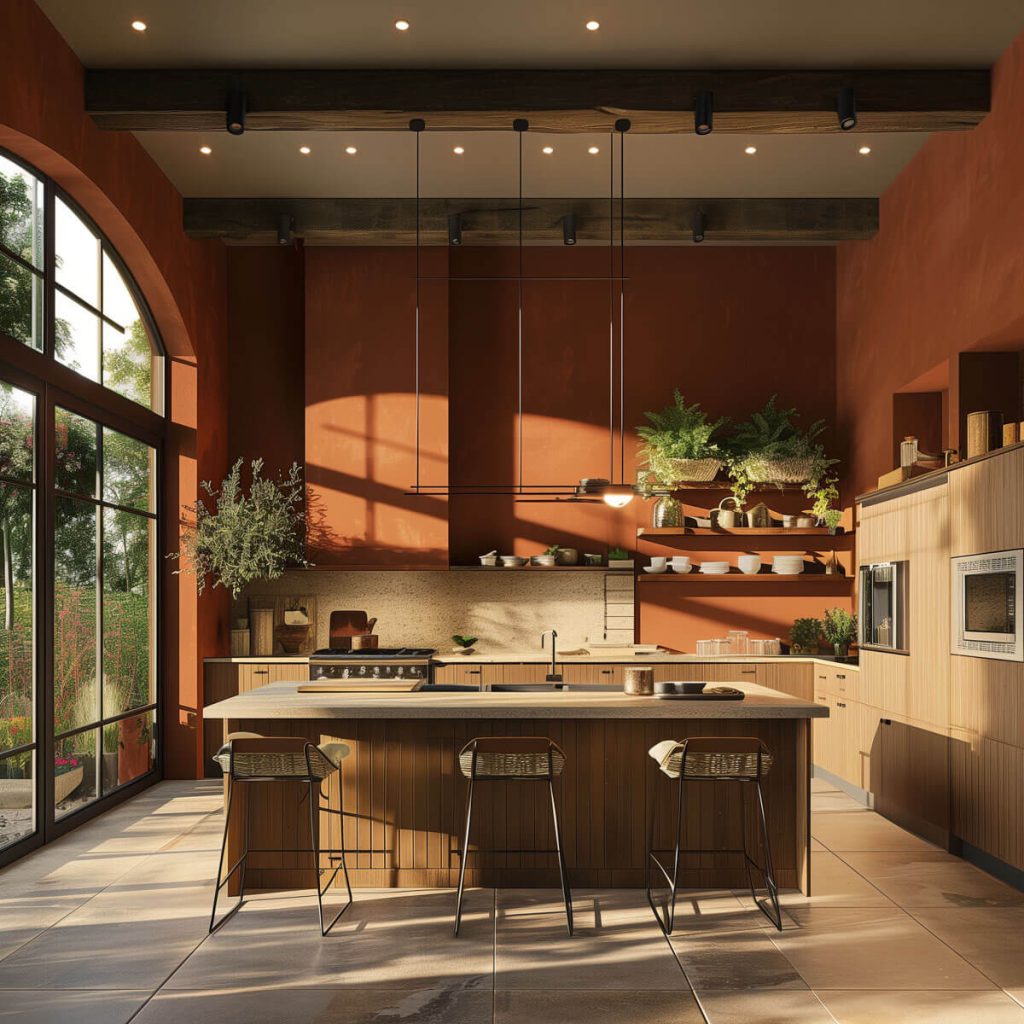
pixel 691 471
pixel 778 471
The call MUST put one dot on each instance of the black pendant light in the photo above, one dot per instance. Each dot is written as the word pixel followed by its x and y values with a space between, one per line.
pixel 704 113
pixel 846 109
pixel 699 226
pixel 234 112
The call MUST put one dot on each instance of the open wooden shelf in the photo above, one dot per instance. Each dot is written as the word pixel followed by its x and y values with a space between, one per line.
pixel 814 578
pixel 535 568
pixel 736 531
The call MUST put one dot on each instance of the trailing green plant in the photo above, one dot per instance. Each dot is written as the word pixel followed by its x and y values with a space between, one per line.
pixel 679 431
pixel 805 635
pixel 740 483
pixel 824 493
pixel 248 534
pixel 839 627
pixel 771 436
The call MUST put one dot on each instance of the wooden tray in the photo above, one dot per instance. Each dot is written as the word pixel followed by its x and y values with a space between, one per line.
pixel 362 686
pixel 714 693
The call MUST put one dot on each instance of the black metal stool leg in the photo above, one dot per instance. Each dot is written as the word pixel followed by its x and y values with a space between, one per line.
pixel 464 857
pixel 222 881
pixel 314 830
pixel 563 870
pixel 667 921
pixel 774 914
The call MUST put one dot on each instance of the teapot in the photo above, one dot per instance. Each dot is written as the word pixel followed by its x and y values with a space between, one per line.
pixel 728 518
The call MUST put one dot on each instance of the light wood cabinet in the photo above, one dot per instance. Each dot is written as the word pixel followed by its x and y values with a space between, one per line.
pixel 594 675
pixel 796 679
pixel 460 675
pixel 730 672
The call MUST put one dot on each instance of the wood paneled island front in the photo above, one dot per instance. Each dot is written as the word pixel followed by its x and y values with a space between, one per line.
pixel 404 796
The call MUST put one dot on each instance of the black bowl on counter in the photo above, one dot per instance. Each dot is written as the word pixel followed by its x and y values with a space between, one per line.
pixel 673 687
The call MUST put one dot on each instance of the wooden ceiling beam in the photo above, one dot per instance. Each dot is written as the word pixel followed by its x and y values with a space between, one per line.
pixel 495 221
pixel 559 101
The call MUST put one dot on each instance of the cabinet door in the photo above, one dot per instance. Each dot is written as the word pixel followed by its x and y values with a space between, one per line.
pixel 592 675
pixel 459 675
pixel 862 741
pixel 730 672
pixel 796 679
pixel 680 672
pixel 252 675
pixel 829 737
pixel 913 778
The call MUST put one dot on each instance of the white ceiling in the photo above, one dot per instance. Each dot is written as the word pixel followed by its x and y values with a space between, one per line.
pixel 658 166
pixel 539 33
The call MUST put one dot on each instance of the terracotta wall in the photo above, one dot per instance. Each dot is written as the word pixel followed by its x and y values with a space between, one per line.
pixel 121 188
pixel 942 276
pixel 729 326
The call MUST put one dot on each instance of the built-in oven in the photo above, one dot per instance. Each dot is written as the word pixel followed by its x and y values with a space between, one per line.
pixel 986 596
pixel 884 600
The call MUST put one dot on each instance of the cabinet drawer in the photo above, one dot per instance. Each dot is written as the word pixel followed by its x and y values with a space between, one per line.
pixel 730 672
pixel 459 675
pixel 592 675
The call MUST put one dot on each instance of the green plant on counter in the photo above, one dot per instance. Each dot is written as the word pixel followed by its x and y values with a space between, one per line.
pixel 553 550
pixel 824 495
pixel 465 642
pixel 617 554
pixel 247 535
pixel 679 431
pixel 805 636
pixel 769 442
pixel 840 629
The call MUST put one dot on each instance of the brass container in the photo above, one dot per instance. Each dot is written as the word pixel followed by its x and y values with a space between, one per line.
pixel 638 682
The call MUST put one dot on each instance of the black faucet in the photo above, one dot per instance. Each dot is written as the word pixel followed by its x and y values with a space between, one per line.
pixel 554 676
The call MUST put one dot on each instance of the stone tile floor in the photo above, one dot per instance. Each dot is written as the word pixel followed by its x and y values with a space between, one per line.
pixel 108 925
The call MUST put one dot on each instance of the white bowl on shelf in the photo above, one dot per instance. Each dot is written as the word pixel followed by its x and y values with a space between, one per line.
pixel 715 568
pixel 750 565
pixel 680 564
pixel 655 569
pixel 513 561
pixel 788 565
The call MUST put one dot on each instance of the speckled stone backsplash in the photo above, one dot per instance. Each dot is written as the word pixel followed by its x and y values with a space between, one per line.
pixel 506 610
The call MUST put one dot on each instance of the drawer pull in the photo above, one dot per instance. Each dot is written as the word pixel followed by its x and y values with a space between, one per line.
pixel 607 671
pixel 261 672
pixel 748 671
pixel 840 675
pixel 840 704
pixel 474 671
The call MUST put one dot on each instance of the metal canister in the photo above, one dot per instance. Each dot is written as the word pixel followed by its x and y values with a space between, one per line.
pixel 667 512
pixel 638 682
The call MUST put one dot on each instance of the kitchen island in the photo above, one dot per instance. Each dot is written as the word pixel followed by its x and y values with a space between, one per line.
pixel 404 796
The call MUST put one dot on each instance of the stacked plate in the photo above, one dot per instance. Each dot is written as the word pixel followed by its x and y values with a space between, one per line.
pixel 714 568
pixel 788 565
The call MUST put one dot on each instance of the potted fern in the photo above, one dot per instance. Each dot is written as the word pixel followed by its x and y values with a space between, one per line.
pixel 770 449
pixel 678 444
pixel 249 534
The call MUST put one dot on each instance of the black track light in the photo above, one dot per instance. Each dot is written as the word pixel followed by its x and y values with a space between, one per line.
pixel 622 125
pixel 285 227
pixel 699 226
pixel 455 229
pixel 846 107
pixel 236 112
pixel 704 113
pixel 569 229
pixel 417 124
pixel 520 124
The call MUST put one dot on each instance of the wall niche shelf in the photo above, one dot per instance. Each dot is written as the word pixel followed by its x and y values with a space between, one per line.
pixel 814 579
pixel 736 531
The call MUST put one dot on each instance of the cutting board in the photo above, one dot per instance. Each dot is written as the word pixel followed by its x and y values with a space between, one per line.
pixel 355 686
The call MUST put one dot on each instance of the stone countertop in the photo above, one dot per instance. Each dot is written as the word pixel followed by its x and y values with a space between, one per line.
pixel 540 658
pixel 283 701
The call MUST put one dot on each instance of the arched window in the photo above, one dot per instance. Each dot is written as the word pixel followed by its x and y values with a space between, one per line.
pixel 81 401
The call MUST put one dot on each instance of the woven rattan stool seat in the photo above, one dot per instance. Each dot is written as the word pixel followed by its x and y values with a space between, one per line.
pixel 246 756
pixel 707 757
pixel 511 757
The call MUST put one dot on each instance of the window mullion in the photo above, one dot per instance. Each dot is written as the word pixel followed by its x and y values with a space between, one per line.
pixel 49 270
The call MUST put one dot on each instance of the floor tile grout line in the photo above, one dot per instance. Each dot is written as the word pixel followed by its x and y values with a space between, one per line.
pixel 81 906
pixel 494 957
pixel 679 963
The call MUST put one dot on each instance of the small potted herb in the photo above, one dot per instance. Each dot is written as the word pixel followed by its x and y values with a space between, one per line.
pixel 805 636
pixel 618 558
pixel 840 630
pixel 547 559
pixel 463 644
pixel 678 445
pixel 824 493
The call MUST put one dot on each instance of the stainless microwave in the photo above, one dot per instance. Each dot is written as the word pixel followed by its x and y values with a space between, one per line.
pixel 986 595
pixel 882 622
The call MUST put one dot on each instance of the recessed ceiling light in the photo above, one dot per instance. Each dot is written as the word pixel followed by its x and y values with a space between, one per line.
pixel 548 150
pixel 305 150
pixel 594 150
pixel 351 150
pixel 205 150
pixel 864 150
pixel 139 26
pixel 402 25
pixel 459 150
pixel 750 150
pixel 593 26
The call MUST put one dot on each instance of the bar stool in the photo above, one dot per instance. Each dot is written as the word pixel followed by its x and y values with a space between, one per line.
pixel 512 759
pixel 248 758
pixel 741 759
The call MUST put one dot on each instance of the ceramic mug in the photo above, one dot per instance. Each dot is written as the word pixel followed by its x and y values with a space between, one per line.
pixel 749 564
pixel 658 562
pixel 680 563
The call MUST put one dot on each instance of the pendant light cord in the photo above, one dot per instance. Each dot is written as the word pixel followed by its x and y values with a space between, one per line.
pixel 417 133
pixel 519 325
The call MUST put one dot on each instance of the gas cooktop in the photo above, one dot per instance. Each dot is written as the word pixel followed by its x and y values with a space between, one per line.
pixel 387 653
